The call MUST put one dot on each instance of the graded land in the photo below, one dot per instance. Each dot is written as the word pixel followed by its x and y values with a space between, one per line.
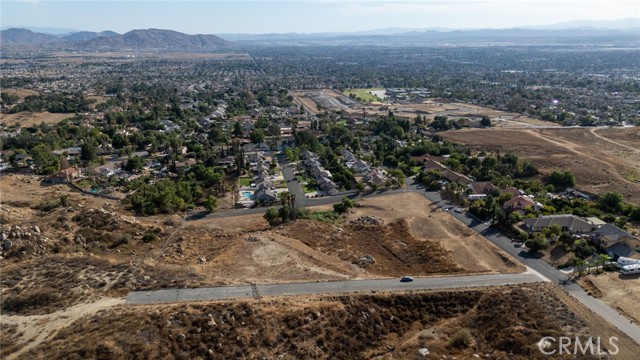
pixel 601 159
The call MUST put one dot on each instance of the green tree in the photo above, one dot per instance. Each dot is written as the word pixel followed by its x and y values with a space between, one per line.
pixel 89 150
pixel 611 202
pixel 272 216
pixel 562 180
pixel 441 123
pixel 134 164
pixel 486 122
pixel 344 205
pixel 538 243
pixel 211 203
pixel 257 136
pixel 237 129
pixel 273 129
pixel 44 160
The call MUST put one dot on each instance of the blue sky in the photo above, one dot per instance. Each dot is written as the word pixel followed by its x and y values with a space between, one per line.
pixel 272 16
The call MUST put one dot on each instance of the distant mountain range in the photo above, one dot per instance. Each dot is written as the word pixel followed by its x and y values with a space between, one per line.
pixel 615 32
pixel 631 25
pixel 109 40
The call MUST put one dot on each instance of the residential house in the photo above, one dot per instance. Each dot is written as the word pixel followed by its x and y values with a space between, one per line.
pixel 481 187
pixel 326 185
pixel 608 235
pixel 520 203
pixel 266 196
pixel 263 183
pixel 375 177
pixel 359 166
pixel 618 250
pixel 23 159
pixel 571 223
pixel 64 176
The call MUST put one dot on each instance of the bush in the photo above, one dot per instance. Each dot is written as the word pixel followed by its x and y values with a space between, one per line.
pixel 538 243
pixel 461 339
pixel 344 205
pixel 149 237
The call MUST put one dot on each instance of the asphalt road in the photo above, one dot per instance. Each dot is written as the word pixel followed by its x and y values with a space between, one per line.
pixel 331 287
pixel 547 271
pixel 539 265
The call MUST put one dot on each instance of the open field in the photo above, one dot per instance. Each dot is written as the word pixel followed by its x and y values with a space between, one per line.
pixel 101 247
pixel 364 94
pixel 95 254
pixel 427 223
pixel 600 164
pixel 429 108
pixel 620 292
pixel 21 93
pixel 27 119
pixel 504 322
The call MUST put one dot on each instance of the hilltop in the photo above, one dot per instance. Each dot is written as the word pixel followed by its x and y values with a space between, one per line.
pixel 109 40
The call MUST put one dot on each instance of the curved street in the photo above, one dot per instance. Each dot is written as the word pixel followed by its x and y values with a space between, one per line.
pixel 537 265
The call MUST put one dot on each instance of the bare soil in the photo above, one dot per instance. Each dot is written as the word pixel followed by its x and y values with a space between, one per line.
pixel 428 223
pixel 431 108
pixel 498 323
pixel 600 164
pixel 620 292
pixel 28 119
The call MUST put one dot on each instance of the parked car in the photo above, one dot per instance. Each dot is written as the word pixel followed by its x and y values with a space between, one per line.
pixel 406 278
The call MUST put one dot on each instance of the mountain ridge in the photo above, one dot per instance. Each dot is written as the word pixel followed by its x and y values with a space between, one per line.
pixel 137 39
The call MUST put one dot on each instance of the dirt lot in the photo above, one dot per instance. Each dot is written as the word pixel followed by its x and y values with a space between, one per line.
pixel 70 264
pixel 305 100
pixel 600 164
pixel 620 292
pixel 503 323
pixel 428 223
pixel 429 109
pixel 22 93
pixel 125 252
pixel 27 119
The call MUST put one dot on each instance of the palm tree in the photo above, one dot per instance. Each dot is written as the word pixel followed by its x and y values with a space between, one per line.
pixel 603 258
pixel 578 264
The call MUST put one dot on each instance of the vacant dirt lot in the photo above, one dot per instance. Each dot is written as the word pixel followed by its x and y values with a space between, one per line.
pixel 504 322
pixel 428 223
pixel 620 292
pixel 27 119
pixel 22 93
pixel 123 252
pixel 305 100
pixel 429 109
pixel 600 164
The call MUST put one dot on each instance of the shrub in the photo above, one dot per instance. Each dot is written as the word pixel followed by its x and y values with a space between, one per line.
pixel 461 339
pixel 149 237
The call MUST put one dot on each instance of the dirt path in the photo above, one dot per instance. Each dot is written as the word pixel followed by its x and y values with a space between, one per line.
pixel 36 329
pixel 578 150
pixel 633 150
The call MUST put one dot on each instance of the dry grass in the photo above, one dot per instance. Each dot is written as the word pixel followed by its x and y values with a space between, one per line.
pixel 468 250
pixel 506 322
pixel 599 165
pixel 26 119
pixel 620 292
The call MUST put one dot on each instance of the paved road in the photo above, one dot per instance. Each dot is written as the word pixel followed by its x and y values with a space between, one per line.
pixel 546 270
pixel 332 287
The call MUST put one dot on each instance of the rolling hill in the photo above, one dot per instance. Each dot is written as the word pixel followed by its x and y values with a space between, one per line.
pixel 109 40
pixel 25 37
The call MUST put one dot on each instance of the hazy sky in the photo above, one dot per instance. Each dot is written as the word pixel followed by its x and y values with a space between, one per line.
pixel 273 16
